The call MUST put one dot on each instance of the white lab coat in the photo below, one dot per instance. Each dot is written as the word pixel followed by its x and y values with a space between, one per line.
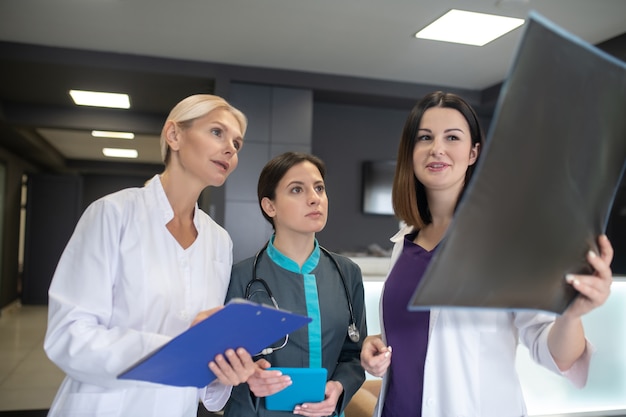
pixel 470 361
pixel 124 287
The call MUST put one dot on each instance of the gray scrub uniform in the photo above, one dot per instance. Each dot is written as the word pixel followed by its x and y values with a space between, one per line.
pixel 339 355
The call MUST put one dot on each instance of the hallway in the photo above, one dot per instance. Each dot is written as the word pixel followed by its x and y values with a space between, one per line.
pixel 28 380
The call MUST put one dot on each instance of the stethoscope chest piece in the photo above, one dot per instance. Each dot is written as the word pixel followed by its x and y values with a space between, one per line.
pixel 353 333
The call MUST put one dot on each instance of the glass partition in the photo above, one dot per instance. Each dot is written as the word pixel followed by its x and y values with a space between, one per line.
pixel 548 394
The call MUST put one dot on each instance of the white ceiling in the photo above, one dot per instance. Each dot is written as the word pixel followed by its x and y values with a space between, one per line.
pixel 365 38
pixel 372 39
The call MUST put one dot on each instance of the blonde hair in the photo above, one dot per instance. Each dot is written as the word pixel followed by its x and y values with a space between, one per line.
pixel 194 107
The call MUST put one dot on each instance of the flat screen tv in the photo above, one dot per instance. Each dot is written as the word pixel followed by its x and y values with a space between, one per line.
pixel 376 186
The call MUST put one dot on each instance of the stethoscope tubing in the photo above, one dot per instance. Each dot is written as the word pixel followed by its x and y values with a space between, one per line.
pixel 352 328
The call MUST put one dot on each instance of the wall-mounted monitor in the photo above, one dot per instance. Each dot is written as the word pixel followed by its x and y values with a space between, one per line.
pixel 377 181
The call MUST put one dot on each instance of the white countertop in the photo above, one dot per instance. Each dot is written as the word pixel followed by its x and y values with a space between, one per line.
pixel 372 267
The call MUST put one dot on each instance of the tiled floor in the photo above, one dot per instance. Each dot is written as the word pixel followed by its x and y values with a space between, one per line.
pixel 28 380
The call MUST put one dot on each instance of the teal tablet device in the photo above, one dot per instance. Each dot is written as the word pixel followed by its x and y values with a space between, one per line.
pixel 308 386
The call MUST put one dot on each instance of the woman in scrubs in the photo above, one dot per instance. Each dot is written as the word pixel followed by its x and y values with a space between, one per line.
pixel 142 266
pixel 302 278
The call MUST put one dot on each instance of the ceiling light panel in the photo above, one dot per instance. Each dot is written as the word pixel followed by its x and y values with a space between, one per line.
pixel 100 99
pixel 114 135
pixel 468 28
pixel 120 153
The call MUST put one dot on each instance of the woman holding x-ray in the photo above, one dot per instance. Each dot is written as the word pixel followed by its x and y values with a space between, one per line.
pixel 293 272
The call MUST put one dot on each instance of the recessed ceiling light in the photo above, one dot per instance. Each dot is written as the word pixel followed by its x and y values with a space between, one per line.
pixel 120 153
pixel 114 135
pixel 468 28
pixel 100 99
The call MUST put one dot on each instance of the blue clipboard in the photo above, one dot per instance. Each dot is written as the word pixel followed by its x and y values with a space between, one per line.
pixel 183 361
pixel 308 385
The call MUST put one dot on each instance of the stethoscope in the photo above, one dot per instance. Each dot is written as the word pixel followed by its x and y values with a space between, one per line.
pixel 353 331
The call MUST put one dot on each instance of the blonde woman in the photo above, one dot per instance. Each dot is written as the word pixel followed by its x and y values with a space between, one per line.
pixel 142 266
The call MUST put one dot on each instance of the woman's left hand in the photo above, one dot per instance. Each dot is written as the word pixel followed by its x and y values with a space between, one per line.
pixel 327 407
pixel 594 289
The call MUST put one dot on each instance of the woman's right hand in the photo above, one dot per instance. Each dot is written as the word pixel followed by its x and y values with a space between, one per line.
pixel 263 382
pixel 375 356
pixel 233 367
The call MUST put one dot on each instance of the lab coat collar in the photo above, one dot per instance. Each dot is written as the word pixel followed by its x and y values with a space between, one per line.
pixel 155 187
pixel 404 230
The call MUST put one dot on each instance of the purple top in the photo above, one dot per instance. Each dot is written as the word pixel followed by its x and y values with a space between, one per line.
pixel 406 331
